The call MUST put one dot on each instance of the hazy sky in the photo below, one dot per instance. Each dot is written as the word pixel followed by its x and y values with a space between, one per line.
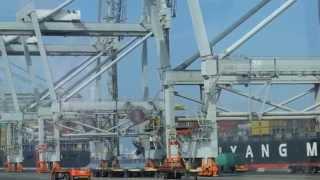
pixel 295 33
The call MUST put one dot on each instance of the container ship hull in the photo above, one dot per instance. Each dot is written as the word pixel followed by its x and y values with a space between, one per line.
pixel 251 152
pixel 272 153
pixel 272 144
pixel 68 158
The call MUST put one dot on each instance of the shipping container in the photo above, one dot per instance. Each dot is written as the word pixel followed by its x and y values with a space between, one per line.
pixel 261 131
pixel 3 136
pixel 255 124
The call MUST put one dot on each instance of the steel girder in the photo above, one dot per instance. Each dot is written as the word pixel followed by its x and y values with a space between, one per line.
pixel 256 71
pixel 105 68
pixel 53 50
pixel 207 148
pixel 73 29
pixel 262 67
pixel 193 77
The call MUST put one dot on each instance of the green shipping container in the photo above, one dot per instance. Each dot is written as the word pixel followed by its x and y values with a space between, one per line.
pixel 226 162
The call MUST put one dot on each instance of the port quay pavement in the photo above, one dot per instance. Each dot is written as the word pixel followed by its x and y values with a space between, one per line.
pixel 34 176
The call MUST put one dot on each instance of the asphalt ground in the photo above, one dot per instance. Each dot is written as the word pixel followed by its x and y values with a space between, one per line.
pixel 34 176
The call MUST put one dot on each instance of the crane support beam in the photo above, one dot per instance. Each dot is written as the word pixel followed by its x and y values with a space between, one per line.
pixel 53 50
pixel 105 68
pixel 263 67
pixel 194 78
pixel 73 29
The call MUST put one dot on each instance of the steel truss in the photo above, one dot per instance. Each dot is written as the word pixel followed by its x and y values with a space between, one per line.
pixel 116 39
pixel 223 72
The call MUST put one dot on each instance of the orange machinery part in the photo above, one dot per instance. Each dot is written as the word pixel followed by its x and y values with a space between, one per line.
pixel 56 166
pixel 13 167
pixel 175 162
pixel 19 167
pixel 242 168
pixel 42 167
pixel 72 173
pixel 80 172
pixel 150 164
pixel 9 167
pixel 208 168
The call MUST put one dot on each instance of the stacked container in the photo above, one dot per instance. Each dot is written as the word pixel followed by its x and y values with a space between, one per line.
pixel 260 128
